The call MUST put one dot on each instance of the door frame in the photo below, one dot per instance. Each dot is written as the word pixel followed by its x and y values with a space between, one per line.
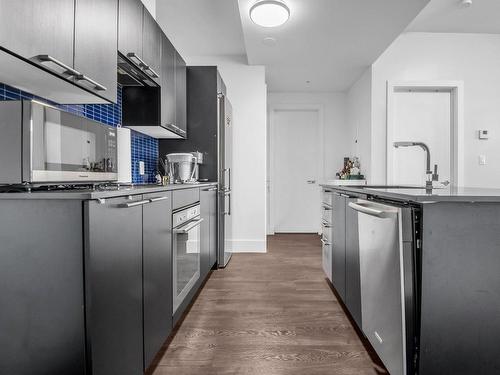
pixel 271 209
pixel 456 90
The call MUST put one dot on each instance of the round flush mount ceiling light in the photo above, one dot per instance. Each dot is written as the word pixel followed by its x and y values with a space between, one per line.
pixel 269 13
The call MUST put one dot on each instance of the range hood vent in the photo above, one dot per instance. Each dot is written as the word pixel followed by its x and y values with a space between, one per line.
pixel 131 75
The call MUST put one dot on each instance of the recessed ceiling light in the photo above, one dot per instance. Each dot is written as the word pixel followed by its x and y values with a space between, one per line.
pixel 269 13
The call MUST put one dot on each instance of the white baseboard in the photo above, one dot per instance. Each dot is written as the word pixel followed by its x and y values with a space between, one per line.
pixel 249 246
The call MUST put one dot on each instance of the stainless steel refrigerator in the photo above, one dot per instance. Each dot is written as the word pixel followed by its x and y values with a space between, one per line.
pixel 225 151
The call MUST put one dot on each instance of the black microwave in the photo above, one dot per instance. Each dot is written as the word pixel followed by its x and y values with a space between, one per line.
pixel 43 145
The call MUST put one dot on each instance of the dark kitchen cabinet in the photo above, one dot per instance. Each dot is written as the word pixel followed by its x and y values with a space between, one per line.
pixel 42 318
pixel 338 244
pixel 130 26
pixel 157 274
pixel 96 45
pixel 113 268
pixel 353 282
pixel 151 46
pixel 208 198
pixel 180 94
pixel 32 28
pixel 167 82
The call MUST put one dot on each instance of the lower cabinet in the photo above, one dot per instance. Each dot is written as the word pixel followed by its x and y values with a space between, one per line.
pixel 113 276
pixel 345 254
pixel 208 202
pixel 338 244
pixel 157 273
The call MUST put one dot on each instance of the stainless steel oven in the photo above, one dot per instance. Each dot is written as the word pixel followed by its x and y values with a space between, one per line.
pixel 186 252
pixel 40 144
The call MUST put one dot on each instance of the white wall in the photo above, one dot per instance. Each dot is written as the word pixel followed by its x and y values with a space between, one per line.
pixel 471 58
pixel 247 91
pixel 359 117
pixel 336 136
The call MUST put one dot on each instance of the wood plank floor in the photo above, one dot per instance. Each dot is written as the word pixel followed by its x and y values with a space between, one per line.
pixel 269 314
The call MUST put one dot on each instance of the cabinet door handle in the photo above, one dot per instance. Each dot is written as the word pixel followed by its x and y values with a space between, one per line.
pixel 327 207
pixel 47 58
pixel 326 224
pixel 158 199
pixel 142 64
pixel 97 85
pixel 325 243
pixel 153 74
pixel 211 189
pixel 135 204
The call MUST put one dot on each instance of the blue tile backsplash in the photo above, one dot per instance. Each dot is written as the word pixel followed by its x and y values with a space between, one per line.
pixel 144 148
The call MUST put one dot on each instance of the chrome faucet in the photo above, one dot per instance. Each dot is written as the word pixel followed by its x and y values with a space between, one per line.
pixel 430 176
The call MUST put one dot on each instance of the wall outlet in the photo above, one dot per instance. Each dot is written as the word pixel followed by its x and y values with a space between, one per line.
pixel 482 159
pixel 142 169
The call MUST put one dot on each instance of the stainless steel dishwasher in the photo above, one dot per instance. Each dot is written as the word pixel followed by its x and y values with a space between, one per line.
pixel 387 250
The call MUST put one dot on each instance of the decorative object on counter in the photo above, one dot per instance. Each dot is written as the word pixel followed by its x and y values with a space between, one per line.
pixel 351 170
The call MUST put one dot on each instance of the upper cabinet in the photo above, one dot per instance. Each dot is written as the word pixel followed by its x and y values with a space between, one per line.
pixel 167 82
pixel 130 18
pixel 39 30
pixel 96 45
pixel 139 37
pixel 72 40
pixel 180 95
pixel 151 46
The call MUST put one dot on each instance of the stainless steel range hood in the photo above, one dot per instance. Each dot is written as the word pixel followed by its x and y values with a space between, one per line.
pixel 131 75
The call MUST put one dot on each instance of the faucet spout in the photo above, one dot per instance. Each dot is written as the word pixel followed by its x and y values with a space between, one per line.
pixel 424 147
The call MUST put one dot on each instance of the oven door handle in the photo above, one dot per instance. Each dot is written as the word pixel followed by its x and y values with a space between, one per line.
pixel 186 228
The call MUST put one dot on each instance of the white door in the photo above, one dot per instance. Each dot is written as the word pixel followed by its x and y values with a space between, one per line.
pixel 421 116
pixel 295 173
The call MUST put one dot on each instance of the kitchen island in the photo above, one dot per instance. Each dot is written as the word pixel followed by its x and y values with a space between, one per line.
pixel 419 273
pixel 88 275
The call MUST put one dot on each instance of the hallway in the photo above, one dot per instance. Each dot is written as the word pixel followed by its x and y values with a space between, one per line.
pixel 268 314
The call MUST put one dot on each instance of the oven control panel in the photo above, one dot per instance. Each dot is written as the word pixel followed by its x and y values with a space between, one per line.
pixel 185 215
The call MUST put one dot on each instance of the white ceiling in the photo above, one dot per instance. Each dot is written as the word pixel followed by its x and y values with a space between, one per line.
pixel 449 16
pixel 327 42
pixel 202 27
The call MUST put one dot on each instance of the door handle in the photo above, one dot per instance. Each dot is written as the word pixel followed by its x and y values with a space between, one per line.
pixel 153 74
pixel 158 199
pixel 97 85
pixel 370 210
pixel 142 64
pixel 135 204
pixel 228 194
pixel 311 181
pixel 186 228
pixel 47 58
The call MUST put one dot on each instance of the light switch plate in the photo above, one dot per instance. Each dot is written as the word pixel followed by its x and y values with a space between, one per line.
pixel 482 159
pixel 141 168
pixel 483 134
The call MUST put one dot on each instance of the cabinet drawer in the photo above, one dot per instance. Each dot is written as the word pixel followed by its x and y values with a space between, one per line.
pixel 326 213
pixel 185 197
pixel 327 196
pixel 327 259
pixel 326 231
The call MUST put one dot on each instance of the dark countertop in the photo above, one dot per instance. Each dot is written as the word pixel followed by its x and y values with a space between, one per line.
pixel 419 195
pixel 86 194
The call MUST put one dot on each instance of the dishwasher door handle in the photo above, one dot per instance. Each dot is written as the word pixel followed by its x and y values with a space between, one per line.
pixel 366 209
